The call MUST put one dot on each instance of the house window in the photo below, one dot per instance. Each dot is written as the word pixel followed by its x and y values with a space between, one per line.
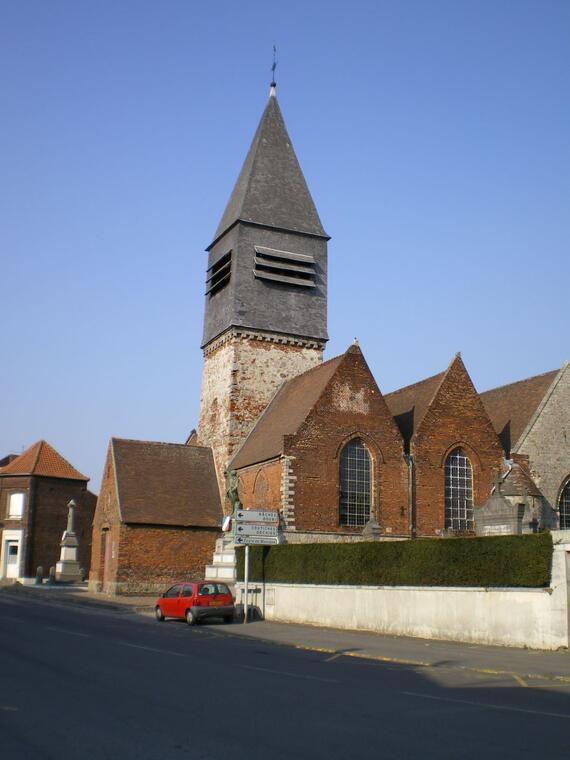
pixel 354 484
pixel 564 507
pixel 458 492
pixel 16 506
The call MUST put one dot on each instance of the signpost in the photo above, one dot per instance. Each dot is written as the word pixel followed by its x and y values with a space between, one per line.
pixel 254 526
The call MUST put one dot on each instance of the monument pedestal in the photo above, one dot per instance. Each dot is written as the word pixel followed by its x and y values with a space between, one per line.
pixel 67 570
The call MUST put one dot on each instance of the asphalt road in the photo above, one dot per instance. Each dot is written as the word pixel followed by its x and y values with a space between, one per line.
pixel 83 683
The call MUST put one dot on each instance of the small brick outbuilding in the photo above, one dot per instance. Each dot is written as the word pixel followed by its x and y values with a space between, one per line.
pixel 158 516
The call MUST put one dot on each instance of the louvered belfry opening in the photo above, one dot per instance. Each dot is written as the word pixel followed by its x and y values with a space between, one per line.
pixel 218 275
pixel 284 266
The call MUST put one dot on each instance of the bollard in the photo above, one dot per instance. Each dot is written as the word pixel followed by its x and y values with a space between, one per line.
pixel 39 575
pixel 51 580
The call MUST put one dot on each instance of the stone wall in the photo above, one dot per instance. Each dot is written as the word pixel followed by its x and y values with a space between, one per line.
pixel 546 441
pixel 242 371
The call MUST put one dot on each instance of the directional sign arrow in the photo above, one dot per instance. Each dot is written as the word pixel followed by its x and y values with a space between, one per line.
pixel 250 529
pixel 250 540
pixel 256 515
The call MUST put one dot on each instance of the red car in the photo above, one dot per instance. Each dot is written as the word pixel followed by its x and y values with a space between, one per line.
pixel 196 600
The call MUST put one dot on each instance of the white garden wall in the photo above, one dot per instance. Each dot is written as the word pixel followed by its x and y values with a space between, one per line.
pixel 535 618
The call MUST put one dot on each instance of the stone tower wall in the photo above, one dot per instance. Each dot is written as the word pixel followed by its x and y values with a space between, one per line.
pixel 242 371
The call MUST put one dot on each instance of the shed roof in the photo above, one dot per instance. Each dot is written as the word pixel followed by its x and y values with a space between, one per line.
pixel 166 483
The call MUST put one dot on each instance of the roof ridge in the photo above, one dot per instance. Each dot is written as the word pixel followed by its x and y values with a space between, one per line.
pixel 523 380
pixel 157 443
pixel 418 382
pixel 39 445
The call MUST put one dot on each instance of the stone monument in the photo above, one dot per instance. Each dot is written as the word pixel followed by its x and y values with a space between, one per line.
pixel 67 570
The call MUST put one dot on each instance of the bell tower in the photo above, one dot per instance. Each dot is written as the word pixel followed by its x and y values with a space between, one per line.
pixel 265 317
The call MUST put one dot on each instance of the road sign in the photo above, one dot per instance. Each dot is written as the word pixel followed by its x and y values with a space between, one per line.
pixel 256 515
pixel 250 529
pixel 250 540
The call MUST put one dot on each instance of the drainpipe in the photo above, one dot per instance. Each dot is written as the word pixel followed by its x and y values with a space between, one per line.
pixel 411 502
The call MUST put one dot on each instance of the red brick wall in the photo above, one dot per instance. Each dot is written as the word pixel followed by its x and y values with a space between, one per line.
pixel 45 518
pixel 455 418
pixel 260 486
pixel 51 498
pixel 8 485
pixel 153 557
pixel 351 406
pixel 106 518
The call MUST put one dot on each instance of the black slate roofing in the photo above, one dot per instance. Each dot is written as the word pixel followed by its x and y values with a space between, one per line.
pixel 271 189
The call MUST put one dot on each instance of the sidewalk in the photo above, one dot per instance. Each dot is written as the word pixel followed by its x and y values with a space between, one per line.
pixel 519 663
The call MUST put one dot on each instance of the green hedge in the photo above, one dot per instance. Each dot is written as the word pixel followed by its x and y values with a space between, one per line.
pixel 495 561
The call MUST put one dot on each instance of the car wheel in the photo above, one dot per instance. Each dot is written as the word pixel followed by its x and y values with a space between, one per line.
pixel 190 618
pixel 158 614
pixel 228 619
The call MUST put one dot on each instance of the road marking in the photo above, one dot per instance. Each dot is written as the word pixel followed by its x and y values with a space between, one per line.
pixel 292 675
pixel 8 708
pixel 520 681
pixel 487 706
pixel 151 649
pixel 66 630
pixel 334 657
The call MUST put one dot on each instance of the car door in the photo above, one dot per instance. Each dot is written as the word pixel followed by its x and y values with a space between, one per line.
pixel 185 600
pixel 169 602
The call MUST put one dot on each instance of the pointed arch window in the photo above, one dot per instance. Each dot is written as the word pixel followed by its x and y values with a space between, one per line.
pixel 355 469
pixel 564 507
pixel 458 491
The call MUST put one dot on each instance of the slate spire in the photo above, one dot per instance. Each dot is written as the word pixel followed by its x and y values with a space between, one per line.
pixel 271 189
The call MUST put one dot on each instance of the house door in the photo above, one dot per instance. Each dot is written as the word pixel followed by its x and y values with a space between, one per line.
pixel 12 559
pixel 107 559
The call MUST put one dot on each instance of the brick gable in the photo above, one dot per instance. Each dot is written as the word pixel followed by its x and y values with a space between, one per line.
pixel 455 417
pixel 349 405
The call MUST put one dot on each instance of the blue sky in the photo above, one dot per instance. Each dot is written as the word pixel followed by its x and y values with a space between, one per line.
pixel 433 137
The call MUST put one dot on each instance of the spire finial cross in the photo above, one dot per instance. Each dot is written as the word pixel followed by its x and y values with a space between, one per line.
pixel 273 67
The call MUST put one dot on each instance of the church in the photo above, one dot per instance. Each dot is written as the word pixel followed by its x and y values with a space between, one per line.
pixel 317 440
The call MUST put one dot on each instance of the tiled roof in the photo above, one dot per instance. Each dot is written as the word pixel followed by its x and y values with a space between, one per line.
pixel 511 407
pixel 408 405
pixel 166 483
pixel 271 189
pixel 41 459
pixel 285 414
